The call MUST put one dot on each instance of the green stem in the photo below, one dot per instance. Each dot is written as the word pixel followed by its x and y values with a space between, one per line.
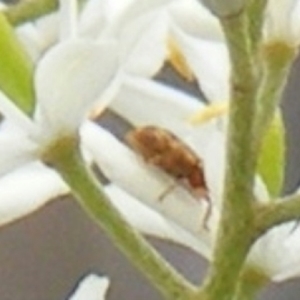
pixel 27 10
pixel 16 69
pixel 277 58
pixel 250 283
pixel 255 16
pixel 65 158
pixel 276 213
pixel 236 225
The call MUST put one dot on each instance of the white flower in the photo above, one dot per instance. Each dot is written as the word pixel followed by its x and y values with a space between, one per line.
pixel 282 22
pixel 50 119
pixel 39 36
pixel 153 223
pixel 67 81
pixel 92 287
pixel 45 32
pixel 276 254
pixel 144 30
pixel 27 189
pixel 144 102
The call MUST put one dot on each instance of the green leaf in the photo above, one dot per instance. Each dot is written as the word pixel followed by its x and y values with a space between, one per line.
pixel 28 10
pixel 272 157
pixel 16 69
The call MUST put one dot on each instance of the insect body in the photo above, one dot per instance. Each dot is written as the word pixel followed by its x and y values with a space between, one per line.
pixel 163 149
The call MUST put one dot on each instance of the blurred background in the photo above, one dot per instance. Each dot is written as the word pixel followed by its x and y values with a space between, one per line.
pixel 44 255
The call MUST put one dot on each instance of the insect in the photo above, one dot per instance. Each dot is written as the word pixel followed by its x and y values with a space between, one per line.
pixel 163 149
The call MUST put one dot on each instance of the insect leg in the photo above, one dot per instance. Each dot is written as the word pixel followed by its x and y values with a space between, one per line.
pixel 167 191
pixel 207 214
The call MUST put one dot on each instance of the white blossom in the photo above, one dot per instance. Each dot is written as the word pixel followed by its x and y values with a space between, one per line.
pixel 91 287
pixel 67 81
pixel 282 22
pixel 276 254
pixel 144 102
pixel 143 29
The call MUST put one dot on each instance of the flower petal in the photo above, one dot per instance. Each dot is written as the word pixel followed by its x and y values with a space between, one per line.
pixel 26 190
pixel 141 29
pixel 295 23
pixel 209 61
pixel 92 287
pixel 152 223
pixel 277 253
pixel 129 12
pixel 196 20
pixel 92 18
pixel 16 148
pixel 214 165
pixel 97 15
pixel 291 267
pixel 145 182
pixel 165 106
pixel 30 38
pixel 214 159
pixel 37 37
pixel 143 48
pixel 278 24
pixel 14 115
pixel 68 19
pixel 69 78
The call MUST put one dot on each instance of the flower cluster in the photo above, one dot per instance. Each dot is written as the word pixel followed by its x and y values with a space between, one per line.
pixel 108 55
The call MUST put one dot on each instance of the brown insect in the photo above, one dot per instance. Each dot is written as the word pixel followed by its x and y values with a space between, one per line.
pixel 163 149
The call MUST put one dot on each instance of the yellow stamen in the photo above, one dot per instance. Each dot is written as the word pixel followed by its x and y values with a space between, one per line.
pixel 210 112
pixel 178 61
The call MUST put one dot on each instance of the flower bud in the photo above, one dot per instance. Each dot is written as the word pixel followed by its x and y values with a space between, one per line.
pixel 224 8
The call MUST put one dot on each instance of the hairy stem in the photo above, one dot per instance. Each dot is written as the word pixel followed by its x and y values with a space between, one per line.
pixel 276 213
pixel 236 224
pixel 255 17
pixel 250 283
pixel 65 158
pixel 277 58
